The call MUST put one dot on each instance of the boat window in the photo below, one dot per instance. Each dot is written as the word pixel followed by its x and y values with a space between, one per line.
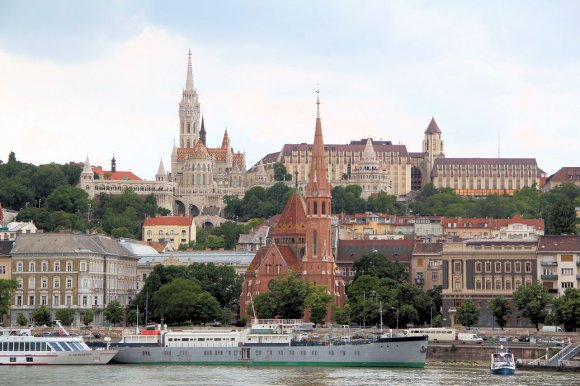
pixel 55 346
pixel 26 346
pixel 28 359
pixel 12 359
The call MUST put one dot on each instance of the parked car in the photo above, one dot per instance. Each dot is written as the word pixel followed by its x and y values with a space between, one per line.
pixel 472 328
pixel 501 339
pixel 469 338
pixel 524 338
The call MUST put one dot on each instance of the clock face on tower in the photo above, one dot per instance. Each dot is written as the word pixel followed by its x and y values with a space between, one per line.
pixel 314 193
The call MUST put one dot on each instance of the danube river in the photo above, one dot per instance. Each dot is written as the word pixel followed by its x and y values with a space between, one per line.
pixel 294 376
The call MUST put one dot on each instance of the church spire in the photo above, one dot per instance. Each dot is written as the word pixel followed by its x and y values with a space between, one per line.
pixel 318 177
pixel 189 81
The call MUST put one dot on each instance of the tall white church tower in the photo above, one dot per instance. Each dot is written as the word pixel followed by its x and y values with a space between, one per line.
pixel 189 112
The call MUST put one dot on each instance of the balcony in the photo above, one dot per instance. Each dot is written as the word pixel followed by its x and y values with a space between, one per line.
pixel 419 281
pixel 549 277
pixel 545 263
pixel 578 277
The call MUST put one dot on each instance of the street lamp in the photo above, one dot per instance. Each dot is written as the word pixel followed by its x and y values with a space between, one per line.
pixel 397 309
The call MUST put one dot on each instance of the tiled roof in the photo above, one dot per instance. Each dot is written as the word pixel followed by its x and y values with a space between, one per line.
pixel 66 243
pixel 432 128
pixel 538 223
pixel 352 250
pixel 414 154
pixel 486 161
pixel 286 253
pixel 168 220
pixel 379 147
pixel 477 222
pixel 559 244
pixel 115 176
pixel 293 219
pixel 427 248
pixel 571 174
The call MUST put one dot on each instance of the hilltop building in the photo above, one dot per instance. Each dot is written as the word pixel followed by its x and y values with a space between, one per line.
pixel 301 242
pixel 173 230
pixel 200 176
pixel 381 166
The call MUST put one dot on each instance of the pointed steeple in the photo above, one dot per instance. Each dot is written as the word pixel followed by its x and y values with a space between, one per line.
pixel 226 140
pixel 87 166
pixel 189 80
pixel 369 151
pixel 432 128
pixel 202 132
pixel 161 170
pixel 318 178
pixel 113 164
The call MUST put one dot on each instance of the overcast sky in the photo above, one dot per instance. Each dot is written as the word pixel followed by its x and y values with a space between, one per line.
pixel 99 78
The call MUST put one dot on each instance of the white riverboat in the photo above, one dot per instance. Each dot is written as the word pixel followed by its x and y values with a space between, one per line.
pixel 274 342
pixel 20 347
pixel 502 362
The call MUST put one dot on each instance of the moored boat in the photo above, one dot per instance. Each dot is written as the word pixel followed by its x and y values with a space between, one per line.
pixel 275 342
pixel 20 347
pixel 502 362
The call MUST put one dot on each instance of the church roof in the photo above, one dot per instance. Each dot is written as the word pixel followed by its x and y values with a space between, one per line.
pixel 285 252
pixel 432 128
pixel 115 176
pixel 292 221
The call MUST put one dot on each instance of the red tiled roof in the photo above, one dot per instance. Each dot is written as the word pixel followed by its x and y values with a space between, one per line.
pixel 538 223
pixel 115 176
pixel 293 219
pixel 168 220
pixel 559 244
pixel 477 222
pixel 571 174
pixel 427 248
pixel 432 128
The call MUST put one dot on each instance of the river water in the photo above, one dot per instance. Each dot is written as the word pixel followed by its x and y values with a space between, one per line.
pixel 145 375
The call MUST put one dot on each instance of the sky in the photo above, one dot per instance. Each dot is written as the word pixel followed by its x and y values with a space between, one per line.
pixel 103 78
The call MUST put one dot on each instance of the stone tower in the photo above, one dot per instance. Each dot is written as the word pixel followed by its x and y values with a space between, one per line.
pixel 189 112
pixel 432 148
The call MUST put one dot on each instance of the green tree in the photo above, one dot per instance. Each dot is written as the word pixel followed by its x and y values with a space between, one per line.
pixel 42 316
pixel 67 198
pixel 437 321
pixel 65 315
pixel 88 317
pixel 21 319
pixel 318 300
pixel 114 312
pixel 265 306
pixel 532 301
pixel 222 282
pixel 342 314
pixel 377 265
pixel 567 309
pixel 183 300
pixel 467 313
pixel 562 217
pixel 7 288
pixel 500 309
pixel 280 173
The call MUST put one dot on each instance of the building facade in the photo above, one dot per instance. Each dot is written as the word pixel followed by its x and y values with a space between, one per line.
pixel 565 174
pixel 174 230
pixel 483 269
pixel 83 272
pixel 559 263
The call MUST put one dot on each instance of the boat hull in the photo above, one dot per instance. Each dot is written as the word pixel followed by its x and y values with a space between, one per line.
pixel 398 353
pixel 93 357
pixel 503 371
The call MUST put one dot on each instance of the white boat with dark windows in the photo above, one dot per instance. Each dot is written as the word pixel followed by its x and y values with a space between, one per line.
pixel 502 362
pixel 275 342
pixel 20 347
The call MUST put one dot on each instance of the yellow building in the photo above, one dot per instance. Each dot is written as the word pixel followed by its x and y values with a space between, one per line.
pixel 175 230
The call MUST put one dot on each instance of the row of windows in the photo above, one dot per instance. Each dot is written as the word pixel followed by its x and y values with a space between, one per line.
pixel 499 284
pixel 171 232
pixel 487 266
pixel 44 266
pixel 43 282
pixel 23 346
pixel 44 300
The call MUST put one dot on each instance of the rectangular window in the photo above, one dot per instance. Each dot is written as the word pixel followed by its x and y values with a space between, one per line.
pixel 567 258
pixel 567 271
pixel 488 266
pixel 518 267
pixel 497 266
pixel 528 267
pixel 68 300
pixel 57 266
pixel 18 300
pixel 567 284
pixel 44 300
pixel 85 300
pixel 507 267
pixel 31 300
pixel 478 266
pixel 56 300
pixel 2 269
pixel 457 267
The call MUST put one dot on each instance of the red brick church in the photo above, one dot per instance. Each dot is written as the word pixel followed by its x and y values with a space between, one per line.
pixel 301 241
